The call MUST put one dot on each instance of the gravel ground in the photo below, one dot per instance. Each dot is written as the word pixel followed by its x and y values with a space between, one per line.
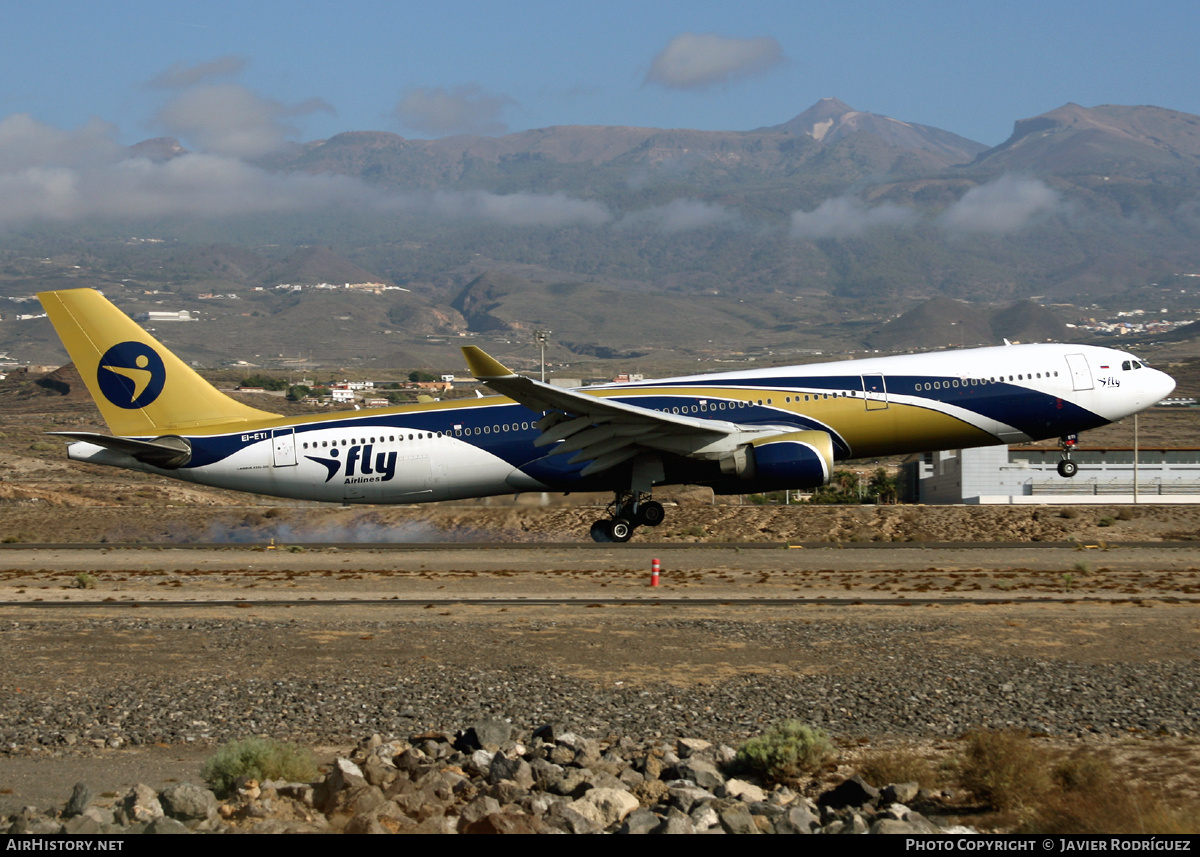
pixel 335 681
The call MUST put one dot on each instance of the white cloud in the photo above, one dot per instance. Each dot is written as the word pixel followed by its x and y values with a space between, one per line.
pixel 228 119
pixel 703 60
pixel 847 217
pixel 1007 204
pixel 26 142
pixel 180 76
pixel 194 185
pixel 461 110
pixel 512 209
pixel 680 215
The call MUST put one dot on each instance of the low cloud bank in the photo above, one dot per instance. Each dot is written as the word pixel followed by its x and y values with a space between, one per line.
pixel 1008 204
pixel 50 174
pixel 848 217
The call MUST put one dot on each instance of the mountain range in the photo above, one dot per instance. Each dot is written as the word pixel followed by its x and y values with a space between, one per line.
pixel 867 141
pixel 778 229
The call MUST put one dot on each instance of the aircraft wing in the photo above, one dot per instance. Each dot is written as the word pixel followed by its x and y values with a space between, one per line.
pixel 606 431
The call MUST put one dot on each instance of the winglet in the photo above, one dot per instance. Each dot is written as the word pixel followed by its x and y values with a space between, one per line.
pixel 483 366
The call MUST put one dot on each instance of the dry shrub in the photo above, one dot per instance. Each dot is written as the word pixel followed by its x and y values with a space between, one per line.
pixel 1005 769
pixel 1076 794
pixel 1090 797
pixel 897 765
pixel 1083 772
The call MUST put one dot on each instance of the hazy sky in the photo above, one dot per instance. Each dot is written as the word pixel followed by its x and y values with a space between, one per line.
pixel 235 78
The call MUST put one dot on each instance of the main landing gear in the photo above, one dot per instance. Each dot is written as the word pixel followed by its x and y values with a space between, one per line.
pixel 628 511
pixel 1067 468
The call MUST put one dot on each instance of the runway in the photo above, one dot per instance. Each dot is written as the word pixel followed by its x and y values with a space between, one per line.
pixel 514 575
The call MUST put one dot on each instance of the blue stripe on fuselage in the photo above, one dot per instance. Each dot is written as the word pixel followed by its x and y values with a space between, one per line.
pixel 1035 413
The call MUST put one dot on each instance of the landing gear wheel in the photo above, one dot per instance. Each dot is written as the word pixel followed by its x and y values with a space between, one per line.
pixel 651 514
pixel 620 529
pixel 1067 468
pixel 602 531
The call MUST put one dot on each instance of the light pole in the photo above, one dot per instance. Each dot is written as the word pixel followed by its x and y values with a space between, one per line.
pixel 541 336
pixel 1135 460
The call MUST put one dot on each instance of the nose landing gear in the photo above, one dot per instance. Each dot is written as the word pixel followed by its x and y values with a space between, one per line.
pixel 628 511
pixel 1067 468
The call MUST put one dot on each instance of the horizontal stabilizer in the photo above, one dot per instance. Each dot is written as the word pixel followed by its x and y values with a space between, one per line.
pixel 166 452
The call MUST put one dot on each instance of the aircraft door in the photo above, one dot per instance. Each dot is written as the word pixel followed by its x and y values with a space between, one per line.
pixel 1081 374
pixel 875 392
pixel 283 442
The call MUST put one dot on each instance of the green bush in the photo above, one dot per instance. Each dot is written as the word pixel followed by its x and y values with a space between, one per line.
pixel 260 758
pixel 787 749
pixel 83 580
pixel 265 381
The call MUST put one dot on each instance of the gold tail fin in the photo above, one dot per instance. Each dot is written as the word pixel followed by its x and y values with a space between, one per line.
pixel 140 387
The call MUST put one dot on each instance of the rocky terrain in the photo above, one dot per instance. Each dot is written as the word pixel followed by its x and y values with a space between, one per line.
pixel 488 778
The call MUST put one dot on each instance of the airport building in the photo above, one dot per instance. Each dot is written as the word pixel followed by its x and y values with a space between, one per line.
pixel 165 315
pixel 1027 475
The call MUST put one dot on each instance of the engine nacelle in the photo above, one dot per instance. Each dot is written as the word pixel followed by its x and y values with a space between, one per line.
pixel 799 459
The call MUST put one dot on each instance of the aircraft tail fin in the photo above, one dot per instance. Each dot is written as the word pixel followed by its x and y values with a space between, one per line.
pixel 140 387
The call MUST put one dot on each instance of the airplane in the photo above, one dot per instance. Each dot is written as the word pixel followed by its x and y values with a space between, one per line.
pixel 739 432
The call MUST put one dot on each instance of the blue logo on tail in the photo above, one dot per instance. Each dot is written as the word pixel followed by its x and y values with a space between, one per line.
pixel 131 375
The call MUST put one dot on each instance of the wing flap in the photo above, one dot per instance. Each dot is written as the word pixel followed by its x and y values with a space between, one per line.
pixel 603 434
pixel 611 459
pixel 542 397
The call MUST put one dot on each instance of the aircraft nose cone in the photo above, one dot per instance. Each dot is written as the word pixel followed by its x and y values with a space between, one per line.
pixel 1161 386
